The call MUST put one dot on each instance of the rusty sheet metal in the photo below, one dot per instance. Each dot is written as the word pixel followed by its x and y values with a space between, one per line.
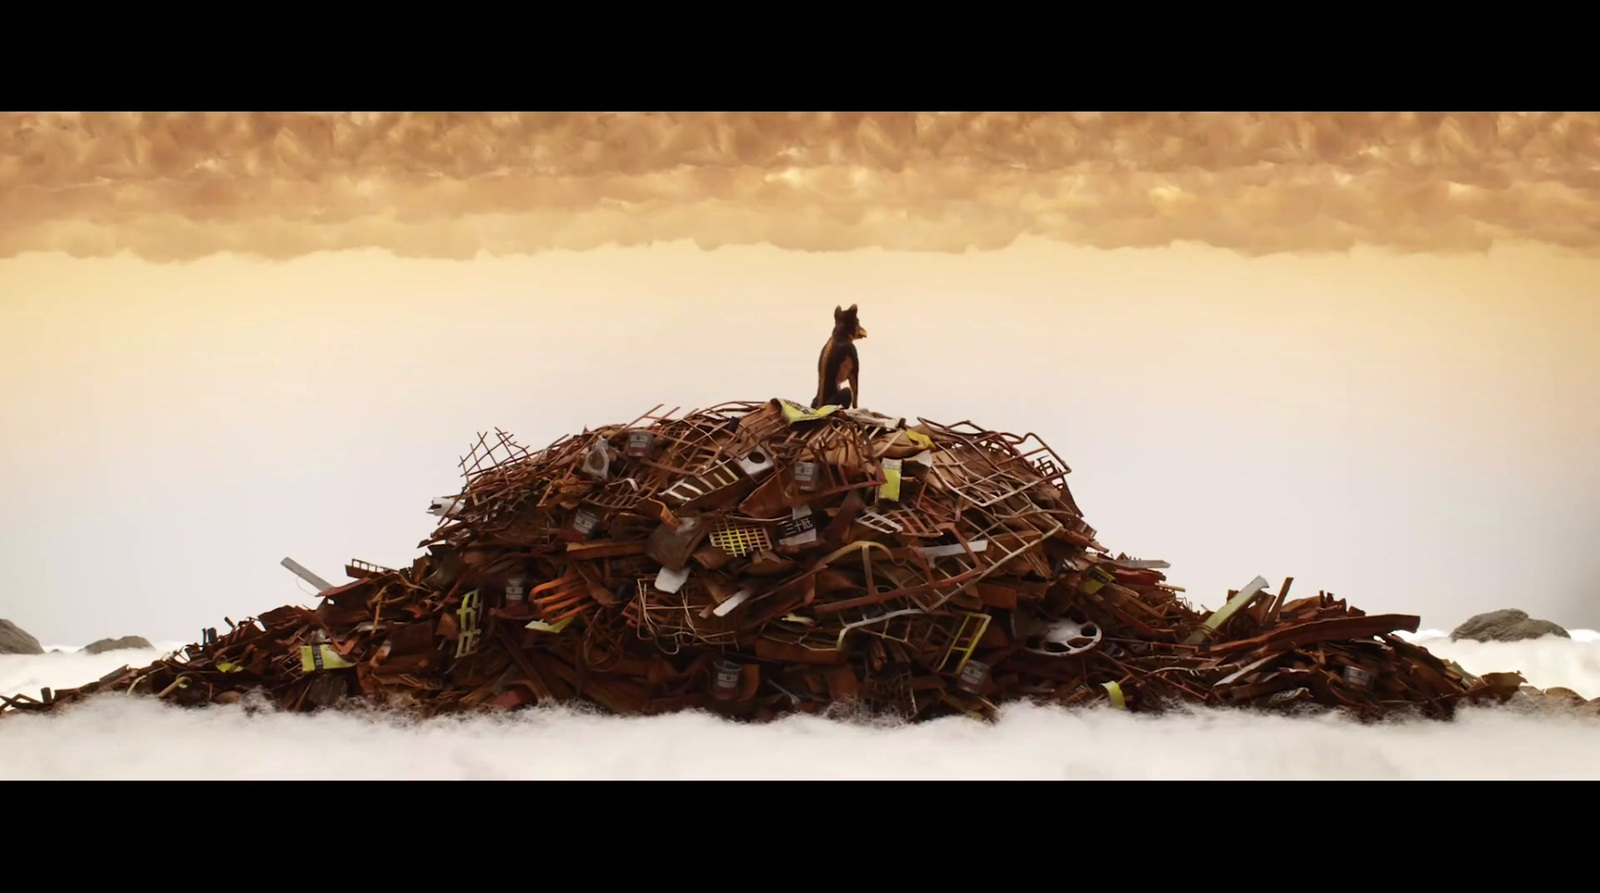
pixel 755 561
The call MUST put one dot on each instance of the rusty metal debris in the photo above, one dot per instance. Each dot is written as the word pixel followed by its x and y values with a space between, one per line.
pixel 757 559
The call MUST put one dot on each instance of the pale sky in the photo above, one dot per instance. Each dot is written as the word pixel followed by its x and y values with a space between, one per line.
pixel 1415 433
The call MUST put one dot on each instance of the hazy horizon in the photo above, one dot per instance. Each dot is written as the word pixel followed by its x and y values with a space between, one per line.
pixel 1390 429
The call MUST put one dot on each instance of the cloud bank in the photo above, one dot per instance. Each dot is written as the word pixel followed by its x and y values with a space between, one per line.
pixel 171 187
pixel 132 738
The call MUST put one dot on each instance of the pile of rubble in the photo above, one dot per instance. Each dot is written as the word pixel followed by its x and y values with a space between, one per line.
pixel 757 559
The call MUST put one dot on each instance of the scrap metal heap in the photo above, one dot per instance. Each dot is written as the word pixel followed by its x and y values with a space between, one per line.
pixel 757 559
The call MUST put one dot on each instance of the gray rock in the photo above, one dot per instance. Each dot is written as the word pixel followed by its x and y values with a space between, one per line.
pixel 1510 625
pixel 14 641
pixel 126 642
pixel 1562 701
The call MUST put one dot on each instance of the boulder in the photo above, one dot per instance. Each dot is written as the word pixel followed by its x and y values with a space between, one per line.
pixel 1510 625
pixel 122 644
pixel 1556 700
pixel 13 640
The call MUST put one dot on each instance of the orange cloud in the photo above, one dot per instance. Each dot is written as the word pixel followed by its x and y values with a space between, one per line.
pixel 183 186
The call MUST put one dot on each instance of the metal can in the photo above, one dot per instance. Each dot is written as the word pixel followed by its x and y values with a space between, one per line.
pixel 725 679
pixel 805 476
pixel 583 523
pixel 1358 677
pixel 973 676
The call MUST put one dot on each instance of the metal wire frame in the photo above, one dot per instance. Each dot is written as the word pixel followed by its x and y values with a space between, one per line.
pixel 675 616
pixel 1020 461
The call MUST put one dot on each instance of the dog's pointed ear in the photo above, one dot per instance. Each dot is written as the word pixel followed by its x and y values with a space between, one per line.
pixel 837 311
pixel 852 308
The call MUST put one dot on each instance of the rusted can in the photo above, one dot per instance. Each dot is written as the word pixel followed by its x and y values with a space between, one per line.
pixel 582 525
pixel 725 679
pixel 805 476
pixel 639 443
pixel 973 676
pixel 1358 677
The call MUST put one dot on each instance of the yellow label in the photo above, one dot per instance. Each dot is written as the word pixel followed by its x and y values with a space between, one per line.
pixel 321 657
pixel 543 627
pixel 1096 579
pixel 1115 691
pixel 794 412
pixel 890 488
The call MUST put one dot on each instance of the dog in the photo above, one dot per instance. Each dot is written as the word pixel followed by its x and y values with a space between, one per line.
pixel 839 367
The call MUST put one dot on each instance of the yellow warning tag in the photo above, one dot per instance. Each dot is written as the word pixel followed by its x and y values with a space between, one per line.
pixel 1115 691
pixel 794 412
pixel 321 657
pixel 1096 579
pixel 889 490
